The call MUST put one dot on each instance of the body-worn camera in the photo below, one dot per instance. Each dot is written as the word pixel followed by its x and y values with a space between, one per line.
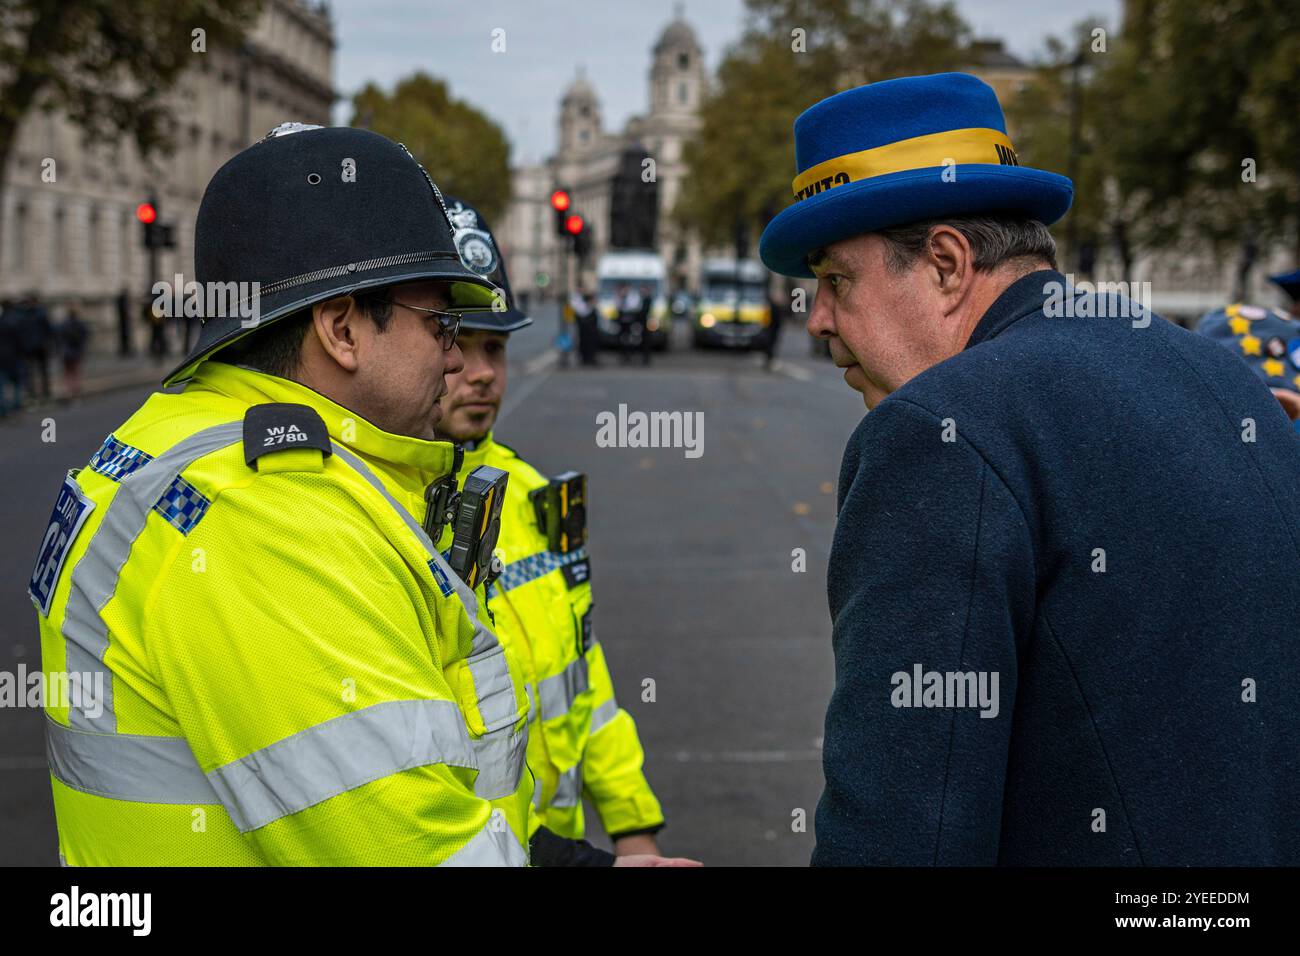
pixel 561 508
pixel 474 513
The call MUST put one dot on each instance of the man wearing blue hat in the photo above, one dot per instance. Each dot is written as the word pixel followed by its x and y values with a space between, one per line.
pixel 1047 648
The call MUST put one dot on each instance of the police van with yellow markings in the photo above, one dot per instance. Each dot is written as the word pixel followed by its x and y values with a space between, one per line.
pixel 733 310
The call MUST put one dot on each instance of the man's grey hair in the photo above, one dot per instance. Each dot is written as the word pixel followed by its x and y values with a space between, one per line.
pixel 993 239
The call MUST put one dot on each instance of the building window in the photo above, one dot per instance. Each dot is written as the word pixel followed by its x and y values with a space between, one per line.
pixel 584 135
pixel 682 93
pixel 683 61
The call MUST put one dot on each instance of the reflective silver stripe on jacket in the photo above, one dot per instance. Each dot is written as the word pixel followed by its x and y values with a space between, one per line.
pixel 494 845
pixel 333 757
pixel 493 684
pixel 131 767
pixel 568 792
pixel 557 693
pixel 94 579
pixel 603 714
pixel 339 755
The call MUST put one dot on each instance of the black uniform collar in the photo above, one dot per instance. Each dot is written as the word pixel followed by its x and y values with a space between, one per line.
pixel 1023 297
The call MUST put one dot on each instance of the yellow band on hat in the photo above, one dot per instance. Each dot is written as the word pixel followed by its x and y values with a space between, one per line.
pixel 973 145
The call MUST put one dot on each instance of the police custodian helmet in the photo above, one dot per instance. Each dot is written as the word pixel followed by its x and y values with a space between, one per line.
pixel 478 250
pixel 310 213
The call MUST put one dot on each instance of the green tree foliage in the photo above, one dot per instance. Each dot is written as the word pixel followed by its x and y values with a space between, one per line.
pixel 1183 96
pixel 1069 87
pixel 107 64
pixel 742 162
pixel 465 152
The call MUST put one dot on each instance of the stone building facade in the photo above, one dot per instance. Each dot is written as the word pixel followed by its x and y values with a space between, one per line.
pixel 75 241
pixel 588 158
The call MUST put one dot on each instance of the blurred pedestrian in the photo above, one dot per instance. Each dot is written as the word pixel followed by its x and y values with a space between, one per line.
pixel 564 343
pixel 776 307
pixel 646 296
pixel 1065 548
pixel 124 346
pixel 584 308
pixel 73 334
pixel 628 304
pixel 35 336
pixel 157 323
pixel 11 360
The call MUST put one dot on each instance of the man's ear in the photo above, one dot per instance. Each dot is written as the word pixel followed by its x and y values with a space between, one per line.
pixel 335 322
pixel 951 262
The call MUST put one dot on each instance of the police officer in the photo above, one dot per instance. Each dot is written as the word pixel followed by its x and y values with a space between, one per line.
pixel 580 740
pixel 1269 341
pixel 269 661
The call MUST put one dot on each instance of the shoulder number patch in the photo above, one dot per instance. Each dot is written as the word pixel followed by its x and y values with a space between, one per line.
pixel 278 426
pixel 70 512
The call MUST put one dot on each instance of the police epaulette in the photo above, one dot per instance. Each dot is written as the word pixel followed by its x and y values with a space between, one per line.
pixel 281 426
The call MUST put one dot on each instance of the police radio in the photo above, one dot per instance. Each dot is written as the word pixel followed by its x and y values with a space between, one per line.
pixel 474 514
pixel 561 508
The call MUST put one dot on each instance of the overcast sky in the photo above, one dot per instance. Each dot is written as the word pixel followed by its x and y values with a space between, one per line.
pixel 547 40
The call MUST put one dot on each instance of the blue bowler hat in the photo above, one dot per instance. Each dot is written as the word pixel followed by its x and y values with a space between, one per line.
pixel 900 151
pixel 1288 282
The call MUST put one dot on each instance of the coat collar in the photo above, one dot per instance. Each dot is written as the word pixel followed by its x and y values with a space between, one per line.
pixel 412 462
pixel 477 452
pixel 1023 297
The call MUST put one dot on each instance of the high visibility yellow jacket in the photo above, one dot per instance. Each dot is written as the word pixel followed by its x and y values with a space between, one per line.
pixel 579 739
pixel 291 672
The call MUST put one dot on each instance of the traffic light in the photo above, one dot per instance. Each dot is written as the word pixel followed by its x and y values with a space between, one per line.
pixel 575 227
pixel 561 200
pixel 157 235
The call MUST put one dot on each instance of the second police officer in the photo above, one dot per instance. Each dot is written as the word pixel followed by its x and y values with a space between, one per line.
pixel 580 740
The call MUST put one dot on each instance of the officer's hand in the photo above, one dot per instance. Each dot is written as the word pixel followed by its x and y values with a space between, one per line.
pixel 647 859
pixel 637 844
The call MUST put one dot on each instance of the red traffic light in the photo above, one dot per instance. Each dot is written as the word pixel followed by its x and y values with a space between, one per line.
pixel 146 213
pixel 560 200
pixel 573 225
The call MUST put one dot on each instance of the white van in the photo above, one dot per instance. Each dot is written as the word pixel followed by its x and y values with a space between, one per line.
pixel 632 269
